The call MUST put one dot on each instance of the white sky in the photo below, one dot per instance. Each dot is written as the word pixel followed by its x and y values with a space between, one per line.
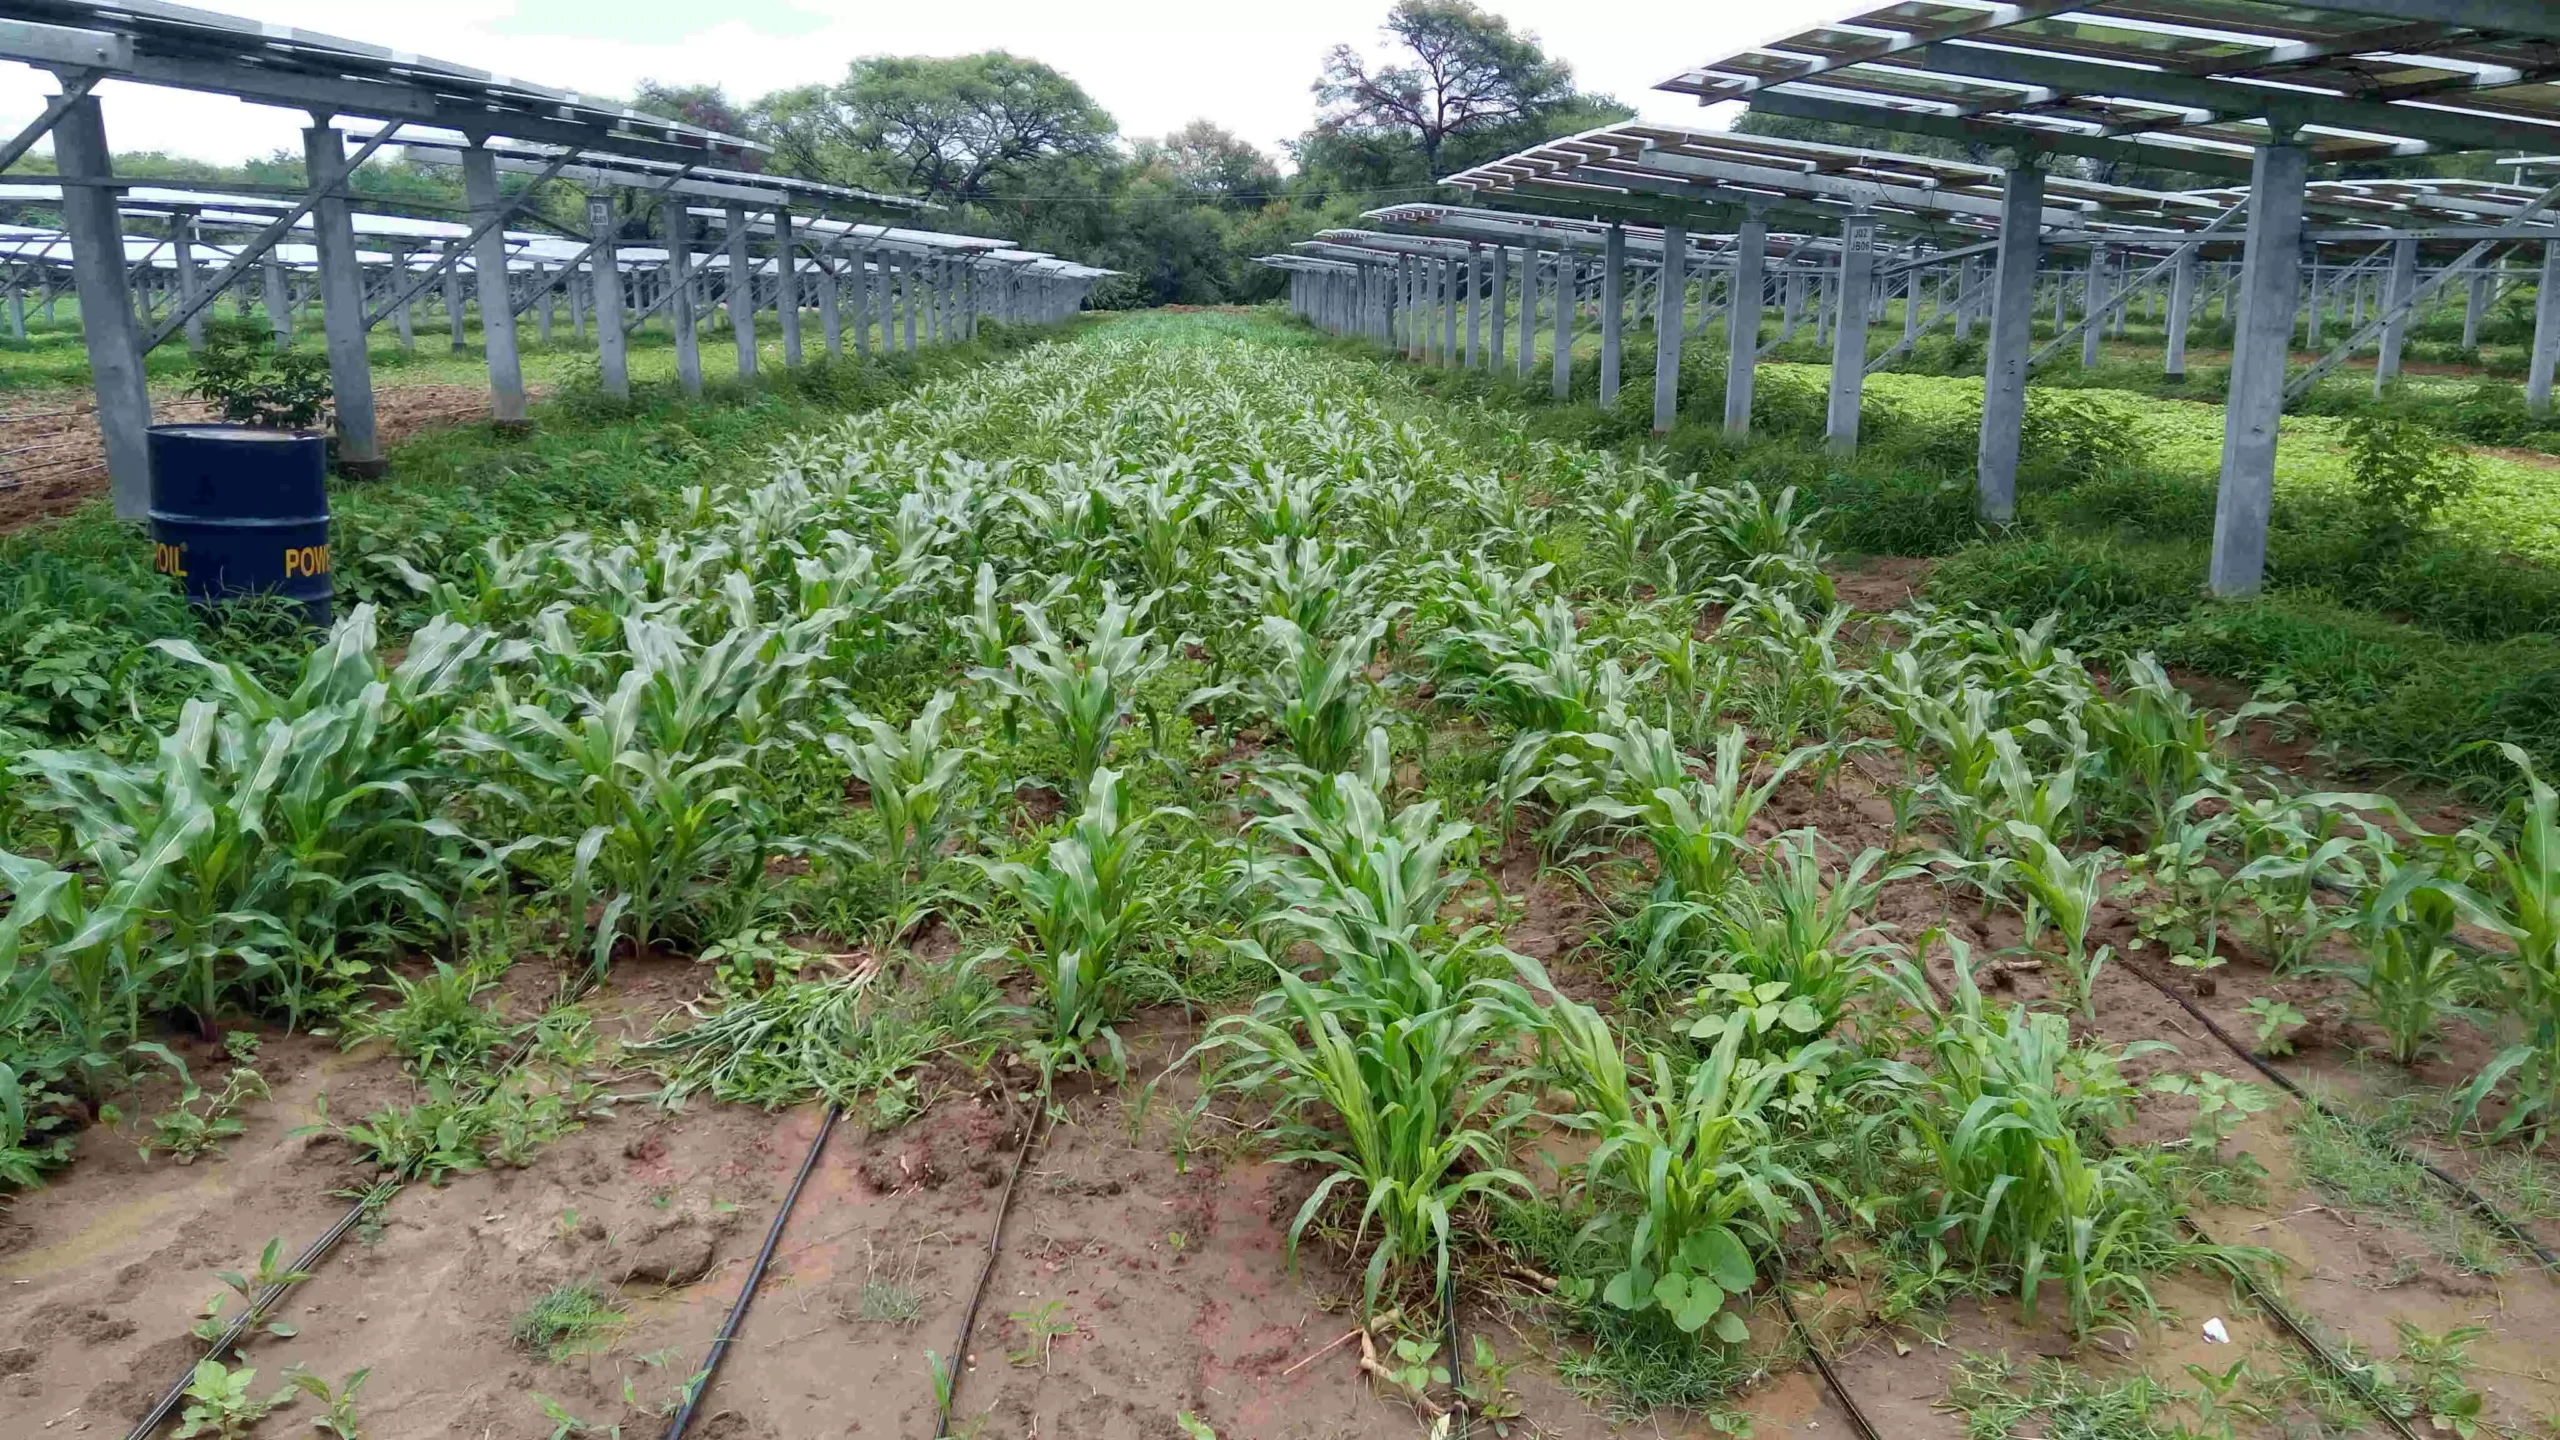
pixel 1154 64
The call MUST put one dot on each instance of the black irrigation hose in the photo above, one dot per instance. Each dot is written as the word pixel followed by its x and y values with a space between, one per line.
pixel 950 1392
pixel 374 1198
pixel 1457 1376
pixel 2479 1203
pixel 1858 1420
pixel 265 1302
pixel 2358 1378
pixel 702 1378
pixel 2354 1377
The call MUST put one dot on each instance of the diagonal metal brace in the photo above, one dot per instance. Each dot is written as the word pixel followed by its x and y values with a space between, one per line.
pixel 2517 227
pixel 2126 290
pixel 73 87
pixel 266 240
pixel 417 283
pixel 648 193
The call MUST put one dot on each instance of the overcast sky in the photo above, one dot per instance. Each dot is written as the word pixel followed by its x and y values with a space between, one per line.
pixel 1154 64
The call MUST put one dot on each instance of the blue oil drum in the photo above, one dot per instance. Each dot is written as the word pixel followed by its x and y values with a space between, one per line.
pixel 237 511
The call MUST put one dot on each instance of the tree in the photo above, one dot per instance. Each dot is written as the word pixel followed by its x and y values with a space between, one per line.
pixel 1458 72
pixel 955 129
pixel 706 106
pixel 1210 163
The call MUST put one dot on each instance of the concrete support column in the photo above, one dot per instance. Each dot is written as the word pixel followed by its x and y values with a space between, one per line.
pixel 1742 321
pixel 830 306
pixel 1560 381
pixel 1849 339
pixel 742 293
pixel 342 310
pixel 1670 318
pixel 1528 318
pixel 2093 307
pixel 910 286
pixel 1501 300
pixel 1471 275
pixel 454 316
pixel 403 322
pixel 2546 332
pixel 2395 328
pixel 1613 308
pixel 2271 277
pixel 107 325
pixel 497 304
pixel 2182 297
pixel 1911 304
pixel 2012 327
pixel 613 363
pixel 545 292
pixel 182 240
pixel 17 311
pixel 863 289
pixel 2475 305
pixel 279 301
pixel 679 279
pixel 786 287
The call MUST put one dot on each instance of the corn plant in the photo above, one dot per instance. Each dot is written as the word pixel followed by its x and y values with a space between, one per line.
pixel 2408 974
pixel 1395 1103
pixel 2525 898
pixel 2062 891
pixel 2158 746
pixel 1082 690
pixel 1082 903
pixel 1364 888
pixel 911 775
pixel 664 832
pixel 1314 584
pixel 1695 826
pixel 2010 1117
pixel 1795 927
pixel 1315 693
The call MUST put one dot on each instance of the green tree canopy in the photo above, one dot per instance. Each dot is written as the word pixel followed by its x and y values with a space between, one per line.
pixel 1454 73
pixel 959 129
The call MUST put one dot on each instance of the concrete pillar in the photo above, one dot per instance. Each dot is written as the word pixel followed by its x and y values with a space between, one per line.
pixel 1670 318
pixel 2395 327
pixel 342 308
pixel 1849 341
pixel 908 281
pixel 2475 305
pixel 1560 381
pixel 2546 332
pixel 278 301
pixel 1790 301
pixel 1501 300
pixel 2182 297
pixel 404 322
pixel 830 305
pixel 613 362
pixel 1471 275
pixel 17 311
pixel 1911 305
pixel 2093 307
pixel 453 305
pixel 182 239
pixel 742 293
pixel 107 325
pixel 1528 317
pixel 679 277
pixel 497 302
pixel 786 286
pixel 545 292
pixel 2012 333
pixel 1613 306
pixel 862 292
pixel 2271 269
pixel 1742 321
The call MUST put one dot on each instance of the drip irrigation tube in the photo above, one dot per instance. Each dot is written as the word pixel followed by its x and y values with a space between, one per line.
pixel 2356 1378
pixel 313 1254
pixel 948 1399
pixel 1457 1376
pixel 1858 1420
pixel 2480 1204
pixel 374 1198
pixel 710 1369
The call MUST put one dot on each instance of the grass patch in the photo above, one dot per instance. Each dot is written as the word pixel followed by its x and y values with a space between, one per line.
pixel 569 1320
pixel 2346 1162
